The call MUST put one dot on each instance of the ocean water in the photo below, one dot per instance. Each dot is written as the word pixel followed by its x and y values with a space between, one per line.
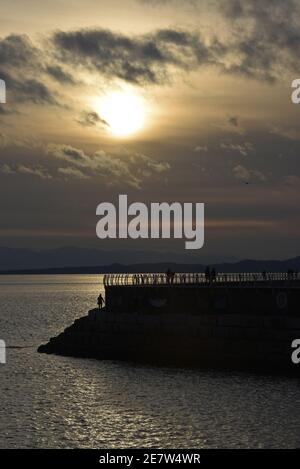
pixel 59 402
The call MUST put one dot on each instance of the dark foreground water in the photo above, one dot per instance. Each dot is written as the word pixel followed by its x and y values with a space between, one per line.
pixel 58 402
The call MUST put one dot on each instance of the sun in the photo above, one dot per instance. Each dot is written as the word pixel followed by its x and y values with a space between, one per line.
pixel 124 112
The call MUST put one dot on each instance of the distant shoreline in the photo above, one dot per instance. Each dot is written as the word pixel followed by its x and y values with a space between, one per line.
pixel 234 267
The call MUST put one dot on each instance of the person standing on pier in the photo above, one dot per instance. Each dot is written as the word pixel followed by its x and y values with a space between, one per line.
pixel 207 274
pixel 169 275
pixel 100 301
pixel 213 275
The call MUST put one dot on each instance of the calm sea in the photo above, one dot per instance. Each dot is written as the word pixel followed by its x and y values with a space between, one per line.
pixel 58 402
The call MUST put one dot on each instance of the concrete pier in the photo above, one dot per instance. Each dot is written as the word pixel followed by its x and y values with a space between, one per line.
pixel 249 323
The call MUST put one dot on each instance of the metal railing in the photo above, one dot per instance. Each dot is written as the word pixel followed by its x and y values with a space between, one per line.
pixel 199 279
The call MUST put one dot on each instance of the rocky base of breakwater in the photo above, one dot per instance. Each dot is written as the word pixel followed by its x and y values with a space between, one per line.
pixel 81 339
pixel 202 341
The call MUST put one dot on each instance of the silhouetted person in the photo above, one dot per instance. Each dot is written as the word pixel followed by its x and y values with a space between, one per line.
pixel 264 275
pixel 290 273
pixel 168 275
pixel 207 274
pixel 100 301
pixel 213 275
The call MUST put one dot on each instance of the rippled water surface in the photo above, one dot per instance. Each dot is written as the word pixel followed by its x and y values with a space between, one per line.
pixel 51 401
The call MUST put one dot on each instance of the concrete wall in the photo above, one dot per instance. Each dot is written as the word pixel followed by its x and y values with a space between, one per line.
pixel 202 300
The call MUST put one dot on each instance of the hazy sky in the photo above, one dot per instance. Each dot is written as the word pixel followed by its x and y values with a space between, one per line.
pixel 212 79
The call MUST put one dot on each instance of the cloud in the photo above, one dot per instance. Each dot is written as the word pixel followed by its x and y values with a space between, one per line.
pixel 34 91
pixel 243 148
pixel 233 121
pixel 26 170
pixel 60 75
pixel 114 169
pixel 264 39
pixel 201 148
pixel 3 139
pixel 5 111
pixel 20 64
pixel 292 180
pixel 20 61
pixel 39 172
pixel 27 89
pixel 91 118
pixel 242 173
pixel 18 51
pixel 70 172
pixel 139 59
pixel 68 153
pixel 290 133
pixel 258 40
pixel 230 125
pixel 6 169
pixel 150 58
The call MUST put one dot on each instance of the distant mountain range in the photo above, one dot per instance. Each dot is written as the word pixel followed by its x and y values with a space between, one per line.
pixel 68 256
pixel 91 261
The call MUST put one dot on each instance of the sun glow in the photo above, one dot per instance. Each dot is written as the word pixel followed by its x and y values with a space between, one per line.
pixel 124 112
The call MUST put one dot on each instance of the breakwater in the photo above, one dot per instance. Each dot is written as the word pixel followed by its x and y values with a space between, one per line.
pixel 246 322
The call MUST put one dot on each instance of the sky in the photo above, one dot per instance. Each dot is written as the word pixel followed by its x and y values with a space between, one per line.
pixel 161 100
